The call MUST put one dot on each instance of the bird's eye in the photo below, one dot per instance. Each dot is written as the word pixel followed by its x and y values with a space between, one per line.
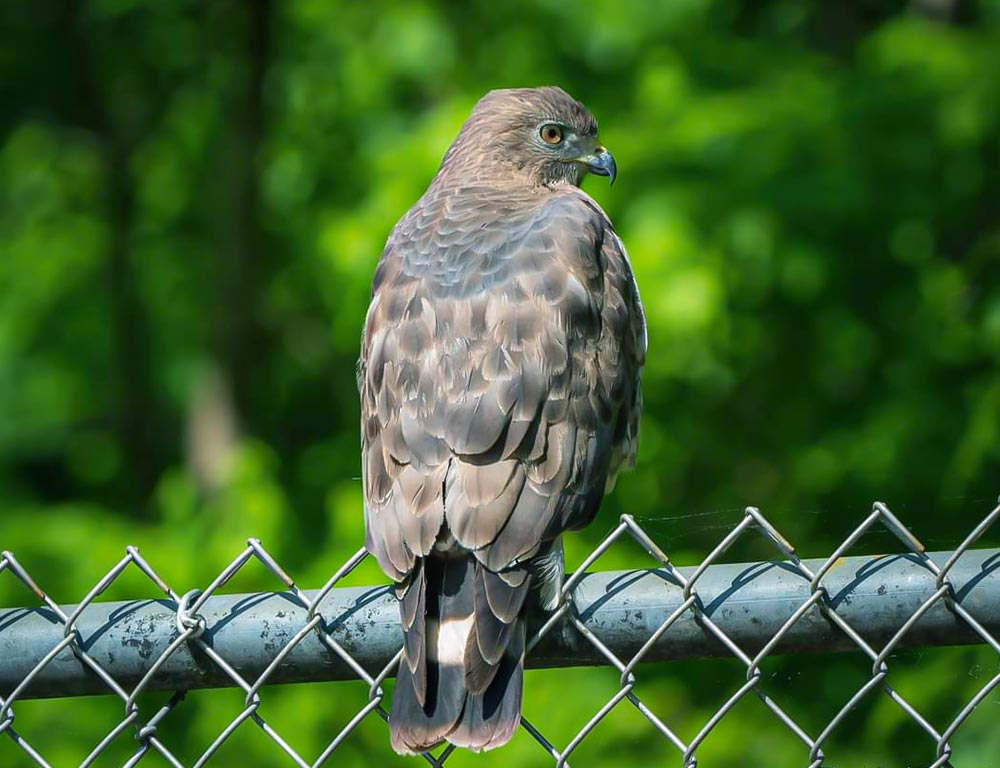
pixel 551 133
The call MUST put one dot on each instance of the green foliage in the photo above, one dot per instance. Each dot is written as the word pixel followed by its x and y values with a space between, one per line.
pixel 192 200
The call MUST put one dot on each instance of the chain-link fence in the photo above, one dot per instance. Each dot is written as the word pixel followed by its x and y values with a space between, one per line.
pixel 202 638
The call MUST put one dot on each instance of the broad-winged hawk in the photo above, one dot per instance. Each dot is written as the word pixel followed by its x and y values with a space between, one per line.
pixel 499 380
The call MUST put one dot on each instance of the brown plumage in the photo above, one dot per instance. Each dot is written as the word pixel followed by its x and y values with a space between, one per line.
pixel 499 381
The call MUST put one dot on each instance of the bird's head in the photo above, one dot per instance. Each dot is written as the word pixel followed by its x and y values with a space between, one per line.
pixel 536 135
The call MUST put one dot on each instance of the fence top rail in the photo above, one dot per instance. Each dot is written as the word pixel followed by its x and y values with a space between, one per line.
pixel 750 602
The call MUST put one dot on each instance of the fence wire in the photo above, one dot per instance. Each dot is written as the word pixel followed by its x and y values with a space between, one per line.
pixel 822 604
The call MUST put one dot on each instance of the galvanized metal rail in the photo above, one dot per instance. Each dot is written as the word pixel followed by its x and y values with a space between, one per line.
pixel 749 602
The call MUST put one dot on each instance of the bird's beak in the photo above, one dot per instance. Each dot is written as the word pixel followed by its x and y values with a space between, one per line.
pixel 602 163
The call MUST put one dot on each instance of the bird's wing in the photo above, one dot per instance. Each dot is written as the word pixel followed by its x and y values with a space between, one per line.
pixel 622 351
pixel 499 376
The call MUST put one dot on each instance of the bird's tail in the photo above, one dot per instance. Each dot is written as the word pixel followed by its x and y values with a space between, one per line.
pixel 463 655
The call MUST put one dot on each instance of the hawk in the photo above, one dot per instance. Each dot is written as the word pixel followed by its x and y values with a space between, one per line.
pixel 499 382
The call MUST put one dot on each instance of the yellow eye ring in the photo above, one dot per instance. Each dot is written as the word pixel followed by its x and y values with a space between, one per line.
pixel 551 133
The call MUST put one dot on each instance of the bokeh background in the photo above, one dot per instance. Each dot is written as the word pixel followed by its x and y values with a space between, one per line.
pixel 193 196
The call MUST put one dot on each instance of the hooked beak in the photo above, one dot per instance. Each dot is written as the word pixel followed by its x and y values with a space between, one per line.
pixel 601 163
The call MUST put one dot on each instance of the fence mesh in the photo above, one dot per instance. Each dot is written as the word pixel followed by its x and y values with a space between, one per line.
pixel 191 627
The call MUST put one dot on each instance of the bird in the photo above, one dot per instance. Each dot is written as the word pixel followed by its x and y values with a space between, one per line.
pixel 499 380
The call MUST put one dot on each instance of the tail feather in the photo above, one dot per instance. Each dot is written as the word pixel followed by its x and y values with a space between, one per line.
pixel 491 717
pixel 461 674
pixel 411 609
pixel 498 606
pixel 505 600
